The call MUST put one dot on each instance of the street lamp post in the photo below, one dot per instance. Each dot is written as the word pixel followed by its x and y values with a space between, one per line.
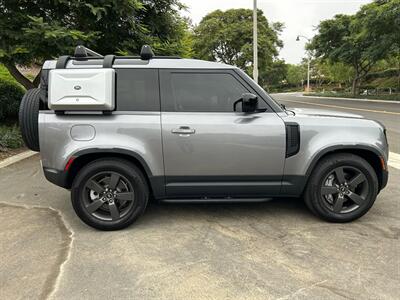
pixel 255 43
pixel 308 73
pixel 308 61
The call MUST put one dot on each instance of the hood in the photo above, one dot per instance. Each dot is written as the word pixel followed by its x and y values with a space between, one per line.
pixel 323 113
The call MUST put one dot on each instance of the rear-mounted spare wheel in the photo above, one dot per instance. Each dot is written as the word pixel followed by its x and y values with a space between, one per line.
pixel 28 118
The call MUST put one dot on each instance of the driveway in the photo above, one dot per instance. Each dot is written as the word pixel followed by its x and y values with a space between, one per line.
pixel 273 250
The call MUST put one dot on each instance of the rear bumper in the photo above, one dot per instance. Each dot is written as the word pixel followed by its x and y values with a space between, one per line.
pixel 56 177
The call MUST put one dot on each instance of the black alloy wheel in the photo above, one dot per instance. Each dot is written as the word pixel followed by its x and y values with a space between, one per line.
pixel 344 189
pixel 341 188
pixel 109 194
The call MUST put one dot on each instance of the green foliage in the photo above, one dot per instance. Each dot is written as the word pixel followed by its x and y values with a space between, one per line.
pixel 10 137
pixel 5 75
pixel 376 82
pixel 228 36
pixel 181 44
pixel 296 74
pixel 10 97
pixel 335 72
pixel 379 26
pixel 360 40
pixel 385 73
pixel 33 31
pixel 274 74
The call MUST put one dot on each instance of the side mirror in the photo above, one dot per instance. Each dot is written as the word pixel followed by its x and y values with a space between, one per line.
pixel 249 103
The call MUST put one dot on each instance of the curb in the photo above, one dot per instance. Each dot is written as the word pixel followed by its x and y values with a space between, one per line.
pixel 394 160
pixel 16 158
pixel 351 99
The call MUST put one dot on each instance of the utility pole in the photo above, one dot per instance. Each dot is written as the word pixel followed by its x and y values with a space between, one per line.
pixel 255 43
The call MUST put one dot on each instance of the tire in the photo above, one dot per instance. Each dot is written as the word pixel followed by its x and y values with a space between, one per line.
pixel 28 119
pixel 342 188
pixel 109 194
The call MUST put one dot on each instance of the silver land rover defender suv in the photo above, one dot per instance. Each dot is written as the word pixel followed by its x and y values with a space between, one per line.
pixel 118 131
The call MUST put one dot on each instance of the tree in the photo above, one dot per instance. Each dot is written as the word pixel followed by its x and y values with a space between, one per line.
pixel 339 73
pixel 274 74
pixel 33 31
pixel 360 40
pixel 228 36
pixel 296 74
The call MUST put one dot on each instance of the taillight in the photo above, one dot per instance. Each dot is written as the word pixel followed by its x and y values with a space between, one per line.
pixel 69 163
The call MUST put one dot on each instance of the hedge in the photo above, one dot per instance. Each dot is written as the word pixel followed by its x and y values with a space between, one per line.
pixel 383 74
pixel 10 137
pixel 10 97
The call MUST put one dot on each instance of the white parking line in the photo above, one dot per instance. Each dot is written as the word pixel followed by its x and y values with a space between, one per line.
pixel 16 158
pixel 394 160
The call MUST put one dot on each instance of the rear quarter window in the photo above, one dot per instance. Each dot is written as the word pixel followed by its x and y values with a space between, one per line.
pixel 137 90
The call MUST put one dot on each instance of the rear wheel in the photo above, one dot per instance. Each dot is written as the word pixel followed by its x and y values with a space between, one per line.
pixel 109 194
pixel 342 188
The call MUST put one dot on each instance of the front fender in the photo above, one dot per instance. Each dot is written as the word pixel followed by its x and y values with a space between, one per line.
pixel 320 136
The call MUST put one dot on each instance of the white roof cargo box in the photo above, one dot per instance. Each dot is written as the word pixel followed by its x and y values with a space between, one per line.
pixel 82 89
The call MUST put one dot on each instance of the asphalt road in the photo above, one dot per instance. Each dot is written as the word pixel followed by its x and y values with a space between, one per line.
pixel 385 112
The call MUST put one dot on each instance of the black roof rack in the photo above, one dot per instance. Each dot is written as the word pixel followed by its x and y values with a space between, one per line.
pixel 82 53
pixel 146 52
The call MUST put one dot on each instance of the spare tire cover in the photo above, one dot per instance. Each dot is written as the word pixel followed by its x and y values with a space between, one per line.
pixel 28 118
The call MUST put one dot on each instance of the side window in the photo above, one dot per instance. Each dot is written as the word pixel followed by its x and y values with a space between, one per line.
pixel 201 92
pixel 137 90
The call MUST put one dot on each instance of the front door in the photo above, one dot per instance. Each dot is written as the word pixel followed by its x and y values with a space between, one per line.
pixel 210 150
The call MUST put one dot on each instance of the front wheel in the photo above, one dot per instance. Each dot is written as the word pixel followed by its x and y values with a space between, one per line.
pixel 109 194
pixel 342 188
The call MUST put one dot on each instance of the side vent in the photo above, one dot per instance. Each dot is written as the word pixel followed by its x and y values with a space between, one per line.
pixel 292 139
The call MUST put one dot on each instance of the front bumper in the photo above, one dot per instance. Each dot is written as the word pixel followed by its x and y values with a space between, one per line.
pixel 384 179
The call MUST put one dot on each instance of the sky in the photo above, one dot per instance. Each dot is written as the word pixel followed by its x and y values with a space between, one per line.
pixel 299 16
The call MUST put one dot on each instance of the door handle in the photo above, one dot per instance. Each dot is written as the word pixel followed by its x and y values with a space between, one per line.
pixel 183 130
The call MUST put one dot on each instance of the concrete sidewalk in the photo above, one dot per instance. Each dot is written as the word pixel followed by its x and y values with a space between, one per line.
pixel 274 250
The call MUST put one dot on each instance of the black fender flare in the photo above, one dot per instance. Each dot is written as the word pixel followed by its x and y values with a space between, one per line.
pixel 157 183
pixel 109 151
pixel 294 185
pixel 330 149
